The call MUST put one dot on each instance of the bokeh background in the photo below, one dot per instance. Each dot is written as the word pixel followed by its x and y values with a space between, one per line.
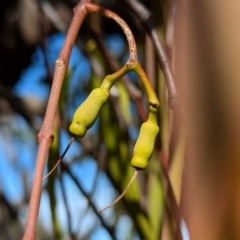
pixel 96 168
pixel 191 187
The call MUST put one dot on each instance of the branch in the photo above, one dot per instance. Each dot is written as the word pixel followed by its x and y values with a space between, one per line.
pixel 45 135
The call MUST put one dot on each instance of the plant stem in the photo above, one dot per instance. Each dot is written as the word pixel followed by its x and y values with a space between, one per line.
pixel 45 135
pixel 127 31
pixel 109 80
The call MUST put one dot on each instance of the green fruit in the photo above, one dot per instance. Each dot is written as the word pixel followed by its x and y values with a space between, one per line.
pixel 87 112
pixel 144 146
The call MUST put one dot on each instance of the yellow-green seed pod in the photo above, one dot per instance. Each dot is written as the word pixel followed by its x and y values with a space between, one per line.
pixel 144 146
pixel 87 112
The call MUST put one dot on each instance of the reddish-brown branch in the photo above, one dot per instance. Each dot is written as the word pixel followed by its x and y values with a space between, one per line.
pixel 127 31
pixel 45 135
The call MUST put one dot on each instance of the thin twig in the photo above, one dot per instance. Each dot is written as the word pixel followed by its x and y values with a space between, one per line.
pixel 60 159
pixel 123 193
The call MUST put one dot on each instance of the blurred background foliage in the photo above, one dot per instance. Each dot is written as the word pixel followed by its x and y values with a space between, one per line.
pixel 96 168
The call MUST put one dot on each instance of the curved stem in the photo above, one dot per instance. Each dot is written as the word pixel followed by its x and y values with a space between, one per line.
pixel 127 31
pixel 153 115
pixel 132 63
pixel 45 135
pixel 153 100
pixel 122 194
pixel 109 80
pixel 60 159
